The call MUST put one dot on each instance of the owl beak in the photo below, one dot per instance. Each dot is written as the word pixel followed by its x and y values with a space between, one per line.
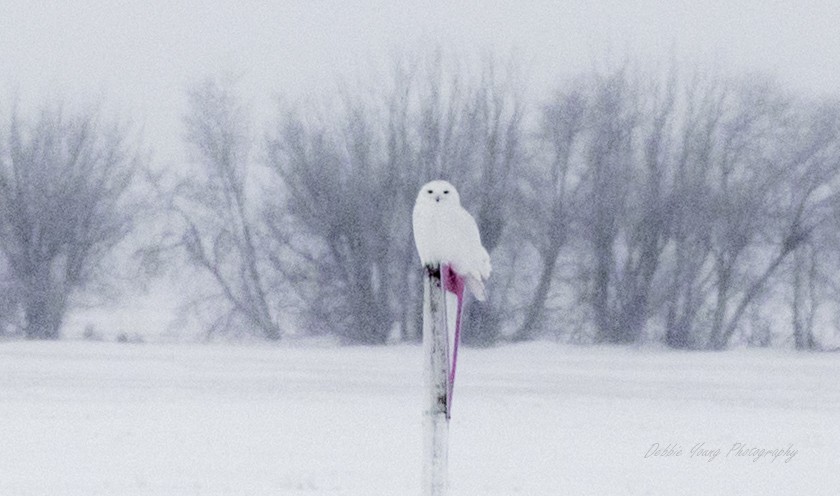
pixel 437 199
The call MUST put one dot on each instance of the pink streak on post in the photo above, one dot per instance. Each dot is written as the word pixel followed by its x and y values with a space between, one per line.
pixel 454 283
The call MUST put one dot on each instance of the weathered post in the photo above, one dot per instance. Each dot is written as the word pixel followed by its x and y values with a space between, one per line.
pixel 436 375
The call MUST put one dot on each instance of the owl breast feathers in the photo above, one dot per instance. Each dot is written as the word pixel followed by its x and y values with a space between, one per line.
pixel 445 233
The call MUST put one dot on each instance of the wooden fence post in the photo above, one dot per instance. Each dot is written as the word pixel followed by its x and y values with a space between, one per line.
pixel 436 379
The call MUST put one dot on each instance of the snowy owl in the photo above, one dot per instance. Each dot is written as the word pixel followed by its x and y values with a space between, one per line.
pixel 447 235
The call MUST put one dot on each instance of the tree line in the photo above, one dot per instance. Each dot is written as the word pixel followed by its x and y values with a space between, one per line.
pixel 631 205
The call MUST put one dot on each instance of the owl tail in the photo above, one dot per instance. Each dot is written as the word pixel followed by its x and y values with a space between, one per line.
pixel 476 287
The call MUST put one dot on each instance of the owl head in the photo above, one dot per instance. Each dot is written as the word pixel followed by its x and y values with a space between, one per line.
pixel 439 192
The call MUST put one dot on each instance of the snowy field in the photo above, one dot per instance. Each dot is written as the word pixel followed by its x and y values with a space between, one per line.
pixel 87 419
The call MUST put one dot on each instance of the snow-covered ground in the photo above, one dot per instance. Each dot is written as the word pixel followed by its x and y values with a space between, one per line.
pixel 88 419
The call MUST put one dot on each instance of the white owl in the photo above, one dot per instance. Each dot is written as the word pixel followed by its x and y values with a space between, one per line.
pixel 446 234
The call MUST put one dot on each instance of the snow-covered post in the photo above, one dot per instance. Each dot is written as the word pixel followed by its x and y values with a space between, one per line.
pixel 436 375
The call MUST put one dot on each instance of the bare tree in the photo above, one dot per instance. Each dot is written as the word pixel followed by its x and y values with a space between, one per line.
pixel 690 276
pixel 805 301
pixel 492 132
pixel 815 175
pixel 349 172
pixel 546 200
pixel 801 171
pixel 659 208
pixel 341 181
pixel 749 172
pixel 64 206
pixel 10 322
pixel 707 188
pixel 623 211
pixel 648 213
pixel 218 230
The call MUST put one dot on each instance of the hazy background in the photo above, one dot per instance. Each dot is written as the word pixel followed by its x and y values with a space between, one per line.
pixel 142 56
pixel 138 59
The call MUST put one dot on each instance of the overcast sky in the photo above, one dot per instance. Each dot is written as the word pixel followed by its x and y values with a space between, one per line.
pixel 141 56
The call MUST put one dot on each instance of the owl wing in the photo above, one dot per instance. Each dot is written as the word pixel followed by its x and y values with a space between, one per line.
pixel 475 256
pixel 473 261
pixel 420 228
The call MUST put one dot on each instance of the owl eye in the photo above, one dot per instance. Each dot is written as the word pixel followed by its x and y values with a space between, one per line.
pixel 430 192
pixel 446 192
